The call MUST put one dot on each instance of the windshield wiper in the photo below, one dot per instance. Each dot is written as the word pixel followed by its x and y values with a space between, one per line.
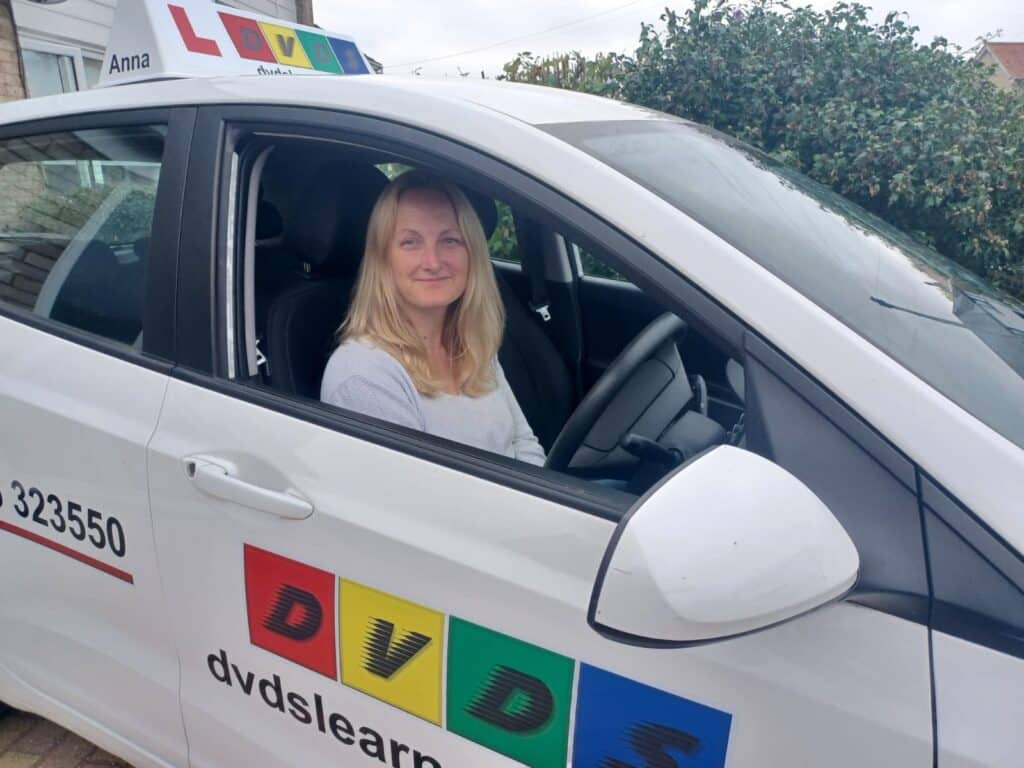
pixel 889 305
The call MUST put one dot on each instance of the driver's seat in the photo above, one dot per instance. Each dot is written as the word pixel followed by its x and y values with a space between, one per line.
pixel 534 369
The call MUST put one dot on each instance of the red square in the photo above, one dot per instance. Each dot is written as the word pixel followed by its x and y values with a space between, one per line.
pixel 247 37
pixel 291 610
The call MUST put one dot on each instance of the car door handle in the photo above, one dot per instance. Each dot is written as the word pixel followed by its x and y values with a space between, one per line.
pixel 216 480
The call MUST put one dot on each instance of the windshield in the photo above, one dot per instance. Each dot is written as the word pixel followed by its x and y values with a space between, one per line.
pixel 942 322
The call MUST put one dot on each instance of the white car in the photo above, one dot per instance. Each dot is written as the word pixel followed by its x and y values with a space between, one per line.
pixel 781 521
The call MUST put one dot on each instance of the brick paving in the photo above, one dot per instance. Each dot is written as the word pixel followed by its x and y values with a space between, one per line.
pixel 28 741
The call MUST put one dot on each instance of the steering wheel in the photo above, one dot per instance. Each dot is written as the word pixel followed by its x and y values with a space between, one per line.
pixel 642 348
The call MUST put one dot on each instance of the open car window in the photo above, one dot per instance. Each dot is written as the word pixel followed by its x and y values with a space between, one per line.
pixel 303 259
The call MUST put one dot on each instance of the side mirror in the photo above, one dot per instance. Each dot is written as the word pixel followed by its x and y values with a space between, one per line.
pixel 729 544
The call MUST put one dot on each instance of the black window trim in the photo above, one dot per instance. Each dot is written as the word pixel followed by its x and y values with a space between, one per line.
pixel 932 498
pixel 160 298
pixel 201 331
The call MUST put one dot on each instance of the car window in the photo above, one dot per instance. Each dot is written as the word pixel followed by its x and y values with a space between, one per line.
pixel 938 320
pixel 75 221
pixel 591 266
pixel 296 315
pixel 503 243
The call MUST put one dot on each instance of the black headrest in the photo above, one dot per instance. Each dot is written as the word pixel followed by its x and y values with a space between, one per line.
pixel 268 221
pixel 485 209
pixel 326 228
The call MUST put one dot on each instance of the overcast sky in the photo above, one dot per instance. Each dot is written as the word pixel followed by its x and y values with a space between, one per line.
pixel 442 38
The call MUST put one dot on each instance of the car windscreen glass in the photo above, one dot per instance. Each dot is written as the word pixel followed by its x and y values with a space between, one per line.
pixel 942 322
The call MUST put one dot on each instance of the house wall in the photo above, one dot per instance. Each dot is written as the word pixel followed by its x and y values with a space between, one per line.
pixel 11 85
pixel 1000 76
pixel 82 23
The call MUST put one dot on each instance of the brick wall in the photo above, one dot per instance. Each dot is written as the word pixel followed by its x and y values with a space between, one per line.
pixel 19 277
pixel 12 82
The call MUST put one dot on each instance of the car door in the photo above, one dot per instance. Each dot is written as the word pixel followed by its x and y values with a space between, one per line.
pixel 347 592
pixel 88 225
pixel 978 636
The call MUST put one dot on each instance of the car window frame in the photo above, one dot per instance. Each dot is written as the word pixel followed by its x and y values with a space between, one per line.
pixel 159 302
pixel 202 328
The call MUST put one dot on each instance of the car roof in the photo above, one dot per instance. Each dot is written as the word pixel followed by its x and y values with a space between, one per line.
pixel 383 95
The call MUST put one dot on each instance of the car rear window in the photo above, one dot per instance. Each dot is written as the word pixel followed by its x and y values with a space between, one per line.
pixel 75 220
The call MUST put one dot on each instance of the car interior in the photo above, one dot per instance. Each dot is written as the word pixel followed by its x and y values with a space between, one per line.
pixel 616 388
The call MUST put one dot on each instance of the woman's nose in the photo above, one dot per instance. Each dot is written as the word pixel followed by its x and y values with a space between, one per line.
pixel 430 259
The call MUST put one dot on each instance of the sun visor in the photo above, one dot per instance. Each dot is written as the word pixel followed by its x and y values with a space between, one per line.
pixel 156 39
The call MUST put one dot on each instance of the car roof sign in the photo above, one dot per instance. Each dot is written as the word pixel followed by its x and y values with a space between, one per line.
pixel 160 39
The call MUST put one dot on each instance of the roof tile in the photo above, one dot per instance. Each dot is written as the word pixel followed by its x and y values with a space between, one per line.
pixel 1011 56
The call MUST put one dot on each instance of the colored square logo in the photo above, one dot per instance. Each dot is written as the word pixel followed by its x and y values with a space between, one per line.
pixel 508 695
pixel 392 649
pixel 291 610
pixel 247 37
pixel 621 722
pixel 285 45
pixel 319 52
pixel 349 57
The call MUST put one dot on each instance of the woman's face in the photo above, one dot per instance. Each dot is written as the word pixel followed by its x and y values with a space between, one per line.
pixel 428 256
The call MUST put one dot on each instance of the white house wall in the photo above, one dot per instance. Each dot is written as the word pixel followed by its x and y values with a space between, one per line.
pixel 80 23
pixel 282 9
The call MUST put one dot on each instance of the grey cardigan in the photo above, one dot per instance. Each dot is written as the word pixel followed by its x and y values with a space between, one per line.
pixel 367 379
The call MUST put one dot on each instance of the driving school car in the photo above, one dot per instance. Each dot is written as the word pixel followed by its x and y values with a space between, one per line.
pixel 780 522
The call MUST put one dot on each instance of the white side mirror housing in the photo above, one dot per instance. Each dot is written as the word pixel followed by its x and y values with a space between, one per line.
pixel 729 544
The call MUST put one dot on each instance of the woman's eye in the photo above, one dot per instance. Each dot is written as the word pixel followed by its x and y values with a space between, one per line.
pixel 453 241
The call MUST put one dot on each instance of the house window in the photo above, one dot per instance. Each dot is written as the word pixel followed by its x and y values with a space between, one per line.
pixel 93 70
pixel 47 73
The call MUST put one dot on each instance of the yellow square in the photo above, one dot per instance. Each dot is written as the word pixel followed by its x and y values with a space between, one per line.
pixel 286 45
pixel 391 649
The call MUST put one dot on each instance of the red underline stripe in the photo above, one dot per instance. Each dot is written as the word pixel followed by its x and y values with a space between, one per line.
pixel 110 570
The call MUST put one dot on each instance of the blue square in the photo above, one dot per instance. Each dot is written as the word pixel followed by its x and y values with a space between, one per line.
pixel 621 723
pixel 349 57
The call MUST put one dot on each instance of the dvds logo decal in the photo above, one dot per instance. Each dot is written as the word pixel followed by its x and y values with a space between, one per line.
pixel 621 723
pixel 391 649
pixel 289 606
pixel 507 695
pixel 502 693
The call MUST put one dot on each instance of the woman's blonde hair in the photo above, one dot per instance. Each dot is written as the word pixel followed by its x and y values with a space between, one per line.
pixel 474 322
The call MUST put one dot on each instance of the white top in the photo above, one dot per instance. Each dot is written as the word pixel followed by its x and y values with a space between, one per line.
pixel 367 379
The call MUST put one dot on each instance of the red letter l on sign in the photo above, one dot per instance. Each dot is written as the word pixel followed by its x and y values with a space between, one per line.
pixel 193 42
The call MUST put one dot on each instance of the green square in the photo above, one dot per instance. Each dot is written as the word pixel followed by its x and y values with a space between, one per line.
pixel 318 49
pixel 508 695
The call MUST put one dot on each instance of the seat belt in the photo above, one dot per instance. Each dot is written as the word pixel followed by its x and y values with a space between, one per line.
pixel 564 331
pixel 531 256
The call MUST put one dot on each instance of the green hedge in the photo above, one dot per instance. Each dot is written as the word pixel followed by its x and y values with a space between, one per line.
pixel 914 133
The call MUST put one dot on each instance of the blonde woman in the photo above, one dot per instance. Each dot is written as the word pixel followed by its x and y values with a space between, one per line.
pixel 419 346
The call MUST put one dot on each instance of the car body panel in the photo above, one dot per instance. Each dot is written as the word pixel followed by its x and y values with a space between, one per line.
pixel 77 620
pixel 978 705
pixel 804 693
pixel 976 464
pixel 843 685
